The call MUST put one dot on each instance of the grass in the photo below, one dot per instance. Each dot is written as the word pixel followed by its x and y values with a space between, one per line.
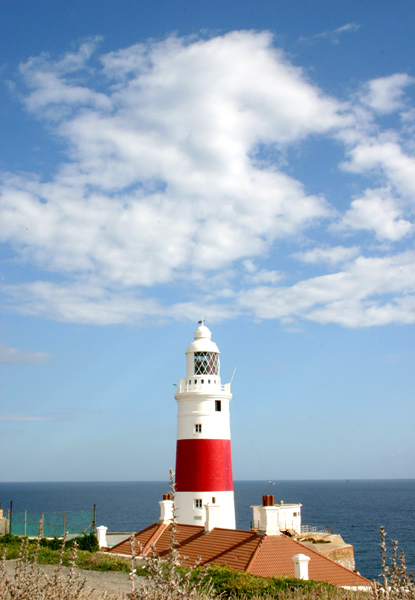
pixel 47 554
pixel 229 583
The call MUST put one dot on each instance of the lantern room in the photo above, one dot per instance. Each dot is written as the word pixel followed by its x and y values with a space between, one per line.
pixel 202 356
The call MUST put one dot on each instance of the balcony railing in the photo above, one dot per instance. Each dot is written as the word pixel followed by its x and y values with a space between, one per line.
pixel 312 529
pixel 202 385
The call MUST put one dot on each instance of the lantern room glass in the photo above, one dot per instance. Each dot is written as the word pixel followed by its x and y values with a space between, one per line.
pixel 206 363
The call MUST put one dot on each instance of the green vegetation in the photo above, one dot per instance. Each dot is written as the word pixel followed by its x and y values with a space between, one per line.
pixel 230 583
pixel 50 552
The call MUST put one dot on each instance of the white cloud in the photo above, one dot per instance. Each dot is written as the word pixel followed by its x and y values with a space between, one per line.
pixel 333 34
pixel 385 94
pixel 389 159
pixel 51 92
pixel 172 197
pixel 352 297
pixel 264 276
pixel 167 183
pixel 80 303
pixel 332 256
pixel 14 356
pixel 377 211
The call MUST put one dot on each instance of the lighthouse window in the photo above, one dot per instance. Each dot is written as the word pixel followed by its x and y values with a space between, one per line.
pixel 198 428
pixel 198 502
pixel 206 363
pixel 218 405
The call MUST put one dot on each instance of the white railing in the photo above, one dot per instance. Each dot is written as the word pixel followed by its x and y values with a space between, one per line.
pixel 185 386
pixel 312 529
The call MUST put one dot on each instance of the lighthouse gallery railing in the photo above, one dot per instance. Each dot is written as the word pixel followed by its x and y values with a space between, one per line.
pixel 191 385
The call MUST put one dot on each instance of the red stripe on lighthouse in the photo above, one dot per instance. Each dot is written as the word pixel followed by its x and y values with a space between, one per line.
pixel 204 466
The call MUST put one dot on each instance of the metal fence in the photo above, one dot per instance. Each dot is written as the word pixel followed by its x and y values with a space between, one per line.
pixel 51 524
pixel 312 529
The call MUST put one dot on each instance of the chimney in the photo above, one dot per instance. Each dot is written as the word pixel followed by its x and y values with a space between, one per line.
pixel 211 516
pixel 166 509
pixel 102 536
pixel 301 566
pixel 268 517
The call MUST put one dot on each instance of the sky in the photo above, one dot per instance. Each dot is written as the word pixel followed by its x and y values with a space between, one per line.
pixel 249 163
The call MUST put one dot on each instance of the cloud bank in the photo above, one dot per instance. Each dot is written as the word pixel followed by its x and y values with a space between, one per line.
pixel 175 196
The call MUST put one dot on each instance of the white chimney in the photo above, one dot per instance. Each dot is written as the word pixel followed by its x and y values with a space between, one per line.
pixel 268 516
pixel 166 509
pixel 211 516
pixel 102 536
pixel 301 566
pixel 268 520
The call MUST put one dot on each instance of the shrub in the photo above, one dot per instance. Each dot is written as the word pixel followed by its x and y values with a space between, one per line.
pixel 230 582
pixel 397 583
pixel 9 538
pixel 54 544
pixel 11 545
pixel 30 582
pixel 88 542
pixel 99 561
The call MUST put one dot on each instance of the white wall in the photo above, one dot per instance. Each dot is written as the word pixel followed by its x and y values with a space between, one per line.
pixel 285 516
pixel 187 513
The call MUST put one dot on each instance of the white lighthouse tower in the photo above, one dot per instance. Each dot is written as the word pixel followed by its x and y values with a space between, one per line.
pixel 204 484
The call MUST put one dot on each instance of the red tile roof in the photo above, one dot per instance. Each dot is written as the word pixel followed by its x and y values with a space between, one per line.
pixel 264 555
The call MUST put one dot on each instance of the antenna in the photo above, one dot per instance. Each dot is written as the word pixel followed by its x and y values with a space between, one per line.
pixel 201 322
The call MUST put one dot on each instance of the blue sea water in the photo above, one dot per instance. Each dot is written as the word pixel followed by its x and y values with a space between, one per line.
pixel 354 508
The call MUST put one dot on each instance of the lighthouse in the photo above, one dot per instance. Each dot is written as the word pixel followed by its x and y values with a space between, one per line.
pixel 204 484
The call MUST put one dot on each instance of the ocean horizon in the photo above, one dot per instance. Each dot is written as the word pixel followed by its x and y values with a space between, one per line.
pixel 353 508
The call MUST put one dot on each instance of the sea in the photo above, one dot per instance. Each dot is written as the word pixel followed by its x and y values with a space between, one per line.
pixel 353 508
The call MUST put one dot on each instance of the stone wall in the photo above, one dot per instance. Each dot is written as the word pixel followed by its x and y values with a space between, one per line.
pixel 332 545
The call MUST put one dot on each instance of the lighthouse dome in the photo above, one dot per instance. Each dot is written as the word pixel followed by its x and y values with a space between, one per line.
pixel 203 342
pixel 202 332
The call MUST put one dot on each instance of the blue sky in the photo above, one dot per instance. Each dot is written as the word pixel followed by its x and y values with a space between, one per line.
pixel 249 163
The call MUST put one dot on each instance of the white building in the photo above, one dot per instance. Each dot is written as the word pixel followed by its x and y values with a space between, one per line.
pixel 276 517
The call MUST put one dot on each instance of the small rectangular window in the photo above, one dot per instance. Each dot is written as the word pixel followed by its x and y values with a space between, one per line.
pixel 218 405
pixel 208 380
pixel 198 428
pixel 198 502
pixel 202 381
